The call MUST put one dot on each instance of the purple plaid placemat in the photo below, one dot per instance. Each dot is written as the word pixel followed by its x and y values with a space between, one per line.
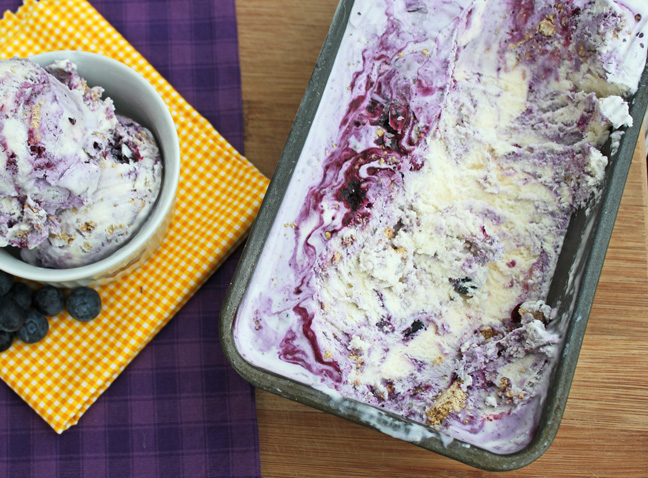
pixel 179 409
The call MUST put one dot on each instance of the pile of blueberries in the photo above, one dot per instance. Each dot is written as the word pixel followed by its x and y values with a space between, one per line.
pixel 24 314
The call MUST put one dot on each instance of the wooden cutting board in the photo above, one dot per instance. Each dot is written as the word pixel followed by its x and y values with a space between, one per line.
pixel 605 428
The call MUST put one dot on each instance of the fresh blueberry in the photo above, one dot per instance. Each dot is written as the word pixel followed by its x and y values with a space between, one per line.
pixel 84 304
pixel 5 282
pixel 48 300
pixel 34 328
pixel 6 339
pixel 12 315
pixel 22 294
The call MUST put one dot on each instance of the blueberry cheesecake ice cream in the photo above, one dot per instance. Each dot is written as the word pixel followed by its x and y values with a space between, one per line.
pixel 77 180
pixel 453 142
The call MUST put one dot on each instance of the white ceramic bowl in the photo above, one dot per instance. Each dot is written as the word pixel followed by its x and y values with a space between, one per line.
pixel 134 98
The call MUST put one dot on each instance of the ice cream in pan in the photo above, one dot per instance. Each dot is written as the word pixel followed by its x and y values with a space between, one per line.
pixel 76 179
pixel 411 258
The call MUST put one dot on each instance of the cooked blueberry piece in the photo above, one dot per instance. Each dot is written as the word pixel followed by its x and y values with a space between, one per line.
pixel 412 329
pixel 352 194
pixel 516 318
pixel 6 339
pixel 5 282
pixel 22 294
pixel 12 315
pixel 84 304
pixel 48 300
pixel 462 289
pixel 34 328
pixel 37 149
pixel 463 286
pixel 385 325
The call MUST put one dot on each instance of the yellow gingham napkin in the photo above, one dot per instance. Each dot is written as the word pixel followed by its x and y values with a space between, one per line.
pixel 218 197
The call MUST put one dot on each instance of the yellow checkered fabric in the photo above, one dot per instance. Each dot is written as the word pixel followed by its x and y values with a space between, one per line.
pixel 218 197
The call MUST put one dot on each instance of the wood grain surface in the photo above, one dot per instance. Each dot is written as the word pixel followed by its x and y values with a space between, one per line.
pixel 605 428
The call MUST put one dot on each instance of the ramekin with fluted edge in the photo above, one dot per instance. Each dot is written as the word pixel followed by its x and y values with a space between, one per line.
pixel 134 98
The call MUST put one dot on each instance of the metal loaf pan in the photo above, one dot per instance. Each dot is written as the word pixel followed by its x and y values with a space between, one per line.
pixel 583 251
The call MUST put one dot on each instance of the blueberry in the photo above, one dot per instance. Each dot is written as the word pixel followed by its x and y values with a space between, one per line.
pixel 415 327
pixel 5 282
pixel 84 304
pixel 12 315
pixel 48 300
pixel 6 339
pixel 463 286
pixel 22 294
pixel 34 328
pixel 353 194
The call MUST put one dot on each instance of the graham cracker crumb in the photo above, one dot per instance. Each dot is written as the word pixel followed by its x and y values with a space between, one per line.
pixel 487 333
pixel 449 401
pixel 35 120
pixel 581 50
pixel 358 360
pixel 547 27
pixel 112 228
pixel 88 226
pixel 63 236
pixel 538 315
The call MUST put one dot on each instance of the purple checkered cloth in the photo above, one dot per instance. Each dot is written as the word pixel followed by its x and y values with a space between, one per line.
pixel 179 409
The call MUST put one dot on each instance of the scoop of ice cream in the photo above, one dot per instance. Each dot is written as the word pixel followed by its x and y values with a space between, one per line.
pixel 76 180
